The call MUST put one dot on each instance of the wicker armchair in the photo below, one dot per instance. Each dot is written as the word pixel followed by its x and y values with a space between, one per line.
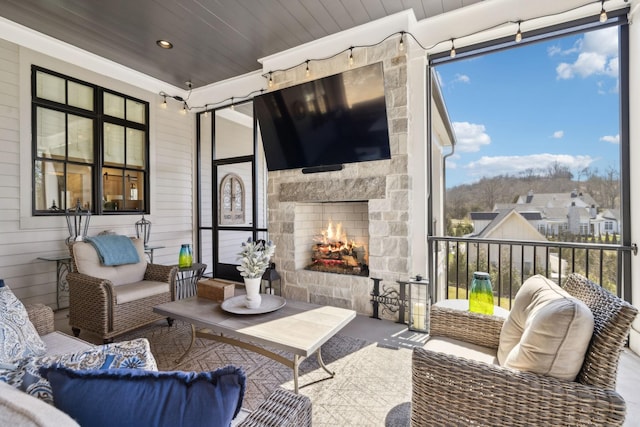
pixel 449 390
pixel 93 301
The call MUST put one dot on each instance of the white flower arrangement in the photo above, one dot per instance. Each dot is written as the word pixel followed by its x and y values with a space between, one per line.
pixel 254 258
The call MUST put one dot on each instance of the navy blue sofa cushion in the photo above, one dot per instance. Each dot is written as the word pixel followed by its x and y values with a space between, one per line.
pixel 134 397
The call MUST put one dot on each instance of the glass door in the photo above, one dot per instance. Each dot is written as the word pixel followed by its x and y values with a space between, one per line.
pixel 232 188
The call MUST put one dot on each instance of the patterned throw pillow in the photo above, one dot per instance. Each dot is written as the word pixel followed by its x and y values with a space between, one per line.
pixel 18 336
pixel 134 354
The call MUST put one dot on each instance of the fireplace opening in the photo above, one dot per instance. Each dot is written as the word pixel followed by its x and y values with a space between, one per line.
pixel 333 252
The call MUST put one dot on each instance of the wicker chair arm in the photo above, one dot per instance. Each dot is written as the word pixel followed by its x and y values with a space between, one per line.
pixel 475 328
pixel 42 318
pixel 161 273
pixel 282 408
pixel 449 390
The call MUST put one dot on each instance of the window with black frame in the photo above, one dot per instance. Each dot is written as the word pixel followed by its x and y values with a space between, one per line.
pixel 91 147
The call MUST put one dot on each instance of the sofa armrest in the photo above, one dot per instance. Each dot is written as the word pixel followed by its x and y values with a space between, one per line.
pixel 450 390
pixel 42 317
pixel 474 328
pixel 282 408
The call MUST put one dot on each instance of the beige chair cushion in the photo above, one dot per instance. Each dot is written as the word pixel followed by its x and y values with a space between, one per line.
pixel 462 349
pixel 547 331
pixel 88 262
pixel 138 290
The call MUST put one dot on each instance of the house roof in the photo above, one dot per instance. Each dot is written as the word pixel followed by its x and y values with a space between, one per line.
pixel 503 217
pixel 557 200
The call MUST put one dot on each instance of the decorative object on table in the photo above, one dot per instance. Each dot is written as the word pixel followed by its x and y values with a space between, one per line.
pixel 254 261
pixel 143 229
pixel 185 259
pixel 481 294
pixel 215 290
pixel 419 300
pixel 268 303
pixel 77 222
pixel 271 281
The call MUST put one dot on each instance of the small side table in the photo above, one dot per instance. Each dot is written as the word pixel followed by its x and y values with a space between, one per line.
pixel 187 280
pixel 63 266
pixel 463 305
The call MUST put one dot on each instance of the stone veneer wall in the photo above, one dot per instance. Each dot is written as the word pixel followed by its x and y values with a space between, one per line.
pixel 385 184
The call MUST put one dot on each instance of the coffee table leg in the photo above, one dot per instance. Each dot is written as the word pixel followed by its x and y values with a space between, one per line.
pixel 193 340
pixel 321 363
pixel 296 363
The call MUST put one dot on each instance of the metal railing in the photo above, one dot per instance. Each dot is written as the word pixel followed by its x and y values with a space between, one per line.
pixel 511 262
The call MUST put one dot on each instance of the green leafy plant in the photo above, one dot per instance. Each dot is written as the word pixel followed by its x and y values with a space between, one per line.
pixel 254 258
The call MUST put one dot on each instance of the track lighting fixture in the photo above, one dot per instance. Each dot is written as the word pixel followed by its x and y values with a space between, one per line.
pixel 603 13
pixel 518 34
pixel 452 53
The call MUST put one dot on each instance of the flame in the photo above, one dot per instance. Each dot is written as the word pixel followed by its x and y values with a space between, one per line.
pixel 332 236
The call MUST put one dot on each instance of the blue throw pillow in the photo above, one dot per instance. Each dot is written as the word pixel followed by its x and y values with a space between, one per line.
pixel 134 397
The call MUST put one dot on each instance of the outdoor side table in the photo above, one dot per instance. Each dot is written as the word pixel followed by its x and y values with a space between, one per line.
pixel 63 266
pixel 463 305
pixel 187 280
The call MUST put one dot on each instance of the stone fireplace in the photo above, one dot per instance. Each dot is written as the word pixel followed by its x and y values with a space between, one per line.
pixel 381 190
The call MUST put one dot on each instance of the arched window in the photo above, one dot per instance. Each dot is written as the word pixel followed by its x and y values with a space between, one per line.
pixel 231 200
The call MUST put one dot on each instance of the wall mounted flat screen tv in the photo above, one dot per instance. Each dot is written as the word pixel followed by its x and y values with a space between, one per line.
pixel 329 121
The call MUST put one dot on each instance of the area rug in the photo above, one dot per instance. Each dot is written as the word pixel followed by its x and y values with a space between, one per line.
pixel 372 385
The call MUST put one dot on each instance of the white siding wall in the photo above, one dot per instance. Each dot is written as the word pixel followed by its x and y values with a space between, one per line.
pixel 23 238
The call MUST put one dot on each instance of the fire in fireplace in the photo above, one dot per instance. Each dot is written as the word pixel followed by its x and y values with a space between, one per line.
pixel 333 252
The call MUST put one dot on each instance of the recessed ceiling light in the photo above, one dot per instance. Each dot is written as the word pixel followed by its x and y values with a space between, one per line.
pixel 165 44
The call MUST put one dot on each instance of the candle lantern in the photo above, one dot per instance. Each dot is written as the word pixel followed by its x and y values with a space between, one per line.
pixel 143 229
pixel 271 281
pixel 419 301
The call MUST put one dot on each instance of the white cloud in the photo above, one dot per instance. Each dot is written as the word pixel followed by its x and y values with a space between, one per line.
pixel 558 134
pixel 613 139
pixel 470 136
pixel 513 165
pixel 597 55
pixel 462 78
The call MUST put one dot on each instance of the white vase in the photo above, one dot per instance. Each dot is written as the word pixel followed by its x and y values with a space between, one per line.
pixel 252 285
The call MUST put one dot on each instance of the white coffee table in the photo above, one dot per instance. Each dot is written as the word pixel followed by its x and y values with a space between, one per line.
pixel 298 328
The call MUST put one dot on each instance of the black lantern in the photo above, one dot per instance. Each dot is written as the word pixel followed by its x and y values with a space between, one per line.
pixel 143 229
pixel 271 282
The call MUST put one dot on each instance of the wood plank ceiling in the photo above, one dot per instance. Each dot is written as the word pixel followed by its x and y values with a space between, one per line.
pixel 213 39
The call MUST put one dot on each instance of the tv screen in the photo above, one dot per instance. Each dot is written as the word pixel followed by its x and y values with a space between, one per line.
pixel 333 120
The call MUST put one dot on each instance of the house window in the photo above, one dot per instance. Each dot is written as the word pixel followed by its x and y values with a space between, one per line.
pixel 584 229
pixel 608 226
pixel 91 146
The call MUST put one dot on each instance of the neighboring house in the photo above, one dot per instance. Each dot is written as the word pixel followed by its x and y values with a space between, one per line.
pixel 555 213
pixel 509 224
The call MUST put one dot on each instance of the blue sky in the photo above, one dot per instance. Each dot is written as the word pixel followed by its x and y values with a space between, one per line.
pixel 556 101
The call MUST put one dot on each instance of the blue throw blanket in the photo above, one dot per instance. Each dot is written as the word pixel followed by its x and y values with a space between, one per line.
pixel 114 249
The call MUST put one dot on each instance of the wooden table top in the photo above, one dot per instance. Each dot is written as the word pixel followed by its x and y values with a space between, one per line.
pixel 298 327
